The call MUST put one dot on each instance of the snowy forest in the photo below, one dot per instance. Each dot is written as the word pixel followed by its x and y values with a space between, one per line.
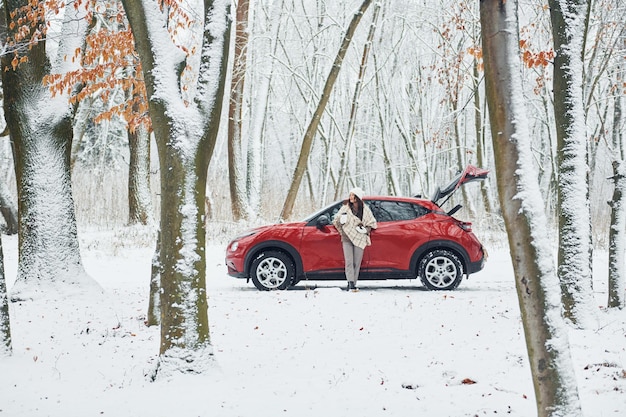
pixel 195 120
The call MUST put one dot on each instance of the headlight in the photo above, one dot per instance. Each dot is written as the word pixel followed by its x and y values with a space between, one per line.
pixel 234 245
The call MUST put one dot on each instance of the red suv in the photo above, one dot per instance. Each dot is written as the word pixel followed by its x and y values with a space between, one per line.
pixel 414 238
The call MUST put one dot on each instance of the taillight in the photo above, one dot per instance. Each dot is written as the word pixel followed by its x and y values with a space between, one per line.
pixel 465 226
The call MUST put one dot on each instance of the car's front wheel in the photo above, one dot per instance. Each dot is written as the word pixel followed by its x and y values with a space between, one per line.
pixel 272 270
pixel 440 269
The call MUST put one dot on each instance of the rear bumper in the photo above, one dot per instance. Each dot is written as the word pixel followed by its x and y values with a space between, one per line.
pixel 474 267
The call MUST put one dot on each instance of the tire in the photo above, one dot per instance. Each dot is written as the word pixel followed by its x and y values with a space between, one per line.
pixel 295 282
pixel 272 270
pixel 440 269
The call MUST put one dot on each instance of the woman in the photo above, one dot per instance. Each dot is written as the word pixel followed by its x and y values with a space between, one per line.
pixel 354 222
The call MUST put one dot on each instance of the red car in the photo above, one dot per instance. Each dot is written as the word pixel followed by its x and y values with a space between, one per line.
pixel 414 238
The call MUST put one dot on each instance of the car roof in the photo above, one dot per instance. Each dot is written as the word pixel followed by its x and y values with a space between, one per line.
pixel 423 201
pixel 413 200
pixel 395 198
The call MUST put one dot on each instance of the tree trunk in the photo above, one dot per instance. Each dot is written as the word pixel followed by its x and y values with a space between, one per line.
pixel 617 232
pixel 263 65
pixel 236 170
pixel 575 246
pixel 185 136
pixel 5 326
pixel 41 135
pixel 480 135
pixel 460 151
pixel 139 193
pixel 526 224
pixel 345 153
pixel 7 205
pixel 309 135
pixel 390 181
pixel 154 303
pixel 84 115
pixel 8 210
pixel 617 239
pixel 184 316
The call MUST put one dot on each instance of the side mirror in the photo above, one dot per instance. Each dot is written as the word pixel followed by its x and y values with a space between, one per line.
pixel 322 221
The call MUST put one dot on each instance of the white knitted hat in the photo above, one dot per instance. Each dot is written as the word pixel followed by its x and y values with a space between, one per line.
pixel 357 192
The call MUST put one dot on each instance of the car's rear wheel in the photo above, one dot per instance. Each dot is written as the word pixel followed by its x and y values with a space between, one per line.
pixel 440 269
pixel 272 270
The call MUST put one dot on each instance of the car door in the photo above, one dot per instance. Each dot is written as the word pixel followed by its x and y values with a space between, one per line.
pixel 402 227
pixel 320 247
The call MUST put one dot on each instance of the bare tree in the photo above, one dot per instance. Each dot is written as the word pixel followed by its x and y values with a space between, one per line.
pixel 617 232
pixel 5 326
pixel 522 208
pixel 354 105
pixel 153 316
pixel 7 204
pixel 185 129
pixel 236 170
pixel 140 210
pixel 309 135
pixel 8 210
pixel 41 134
pixel 575 246
pixel 139 195
pixel 617 237
pixel 264 64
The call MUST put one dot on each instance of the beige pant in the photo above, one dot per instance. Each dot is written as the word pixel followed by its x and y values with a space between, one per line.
pixel 353 255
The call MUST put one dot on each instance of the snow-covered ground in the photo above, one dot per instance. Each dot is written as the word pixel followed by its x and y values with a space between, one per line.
pixel 392 349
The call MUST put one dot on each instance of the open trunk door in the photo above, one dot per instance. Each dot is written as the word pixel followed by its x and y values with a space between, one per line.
pixel 469 174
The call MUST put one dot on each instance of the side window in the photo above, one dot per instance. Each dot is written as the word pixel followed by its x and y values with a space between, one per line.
pixel 386 211
pixel 420 210
pixel 380 212
pixel 331 213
